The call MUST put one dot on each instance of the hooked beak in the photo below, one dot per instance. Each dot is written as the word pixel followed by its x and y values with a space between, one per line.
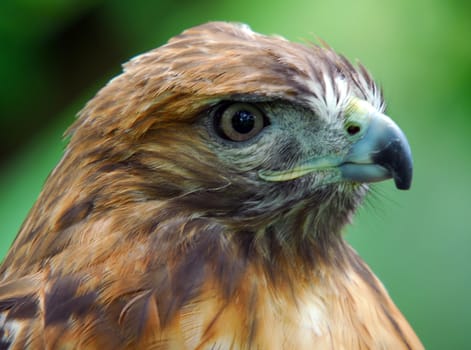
pixel 379 151
pixel 382 153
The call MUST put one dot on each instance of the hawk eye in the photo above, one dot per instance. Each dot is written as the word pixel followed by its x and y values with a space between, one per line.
pixel 239 121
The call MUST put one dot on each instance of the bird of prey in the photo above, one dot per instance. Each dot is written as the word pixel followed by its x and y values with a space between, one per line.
pixel 200 204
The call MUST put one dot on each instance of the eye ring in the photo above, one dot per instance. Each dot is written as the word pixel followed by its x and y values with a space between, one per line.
pixel 239 121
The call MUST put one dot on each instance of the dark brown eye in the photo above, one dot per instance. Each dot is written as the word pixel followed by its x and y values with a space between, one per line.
pixel 239 121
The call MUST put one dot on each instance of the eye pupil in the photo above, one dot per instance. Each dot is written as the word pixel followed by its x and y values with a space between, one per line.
pixel 243 121
pixel 239 121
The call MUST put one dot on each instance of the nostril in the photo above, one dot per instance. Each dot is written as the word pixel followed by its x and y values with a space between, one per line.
pixel 353 129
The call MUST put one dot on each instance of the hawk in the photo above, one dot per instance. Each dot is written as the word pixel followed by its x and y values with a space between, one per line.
pixel 200 204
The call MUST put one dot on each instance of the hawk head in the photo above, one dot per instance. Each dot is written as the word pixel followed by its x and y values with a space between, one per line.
pixel 255 132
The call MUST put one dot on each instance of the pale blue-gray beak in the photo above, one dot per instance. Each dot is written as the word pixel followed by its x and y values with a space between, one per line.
pixel 381 153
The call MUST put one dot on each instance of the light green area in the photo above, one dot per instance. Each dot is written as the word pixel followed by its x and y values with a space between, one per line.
pixel 419 241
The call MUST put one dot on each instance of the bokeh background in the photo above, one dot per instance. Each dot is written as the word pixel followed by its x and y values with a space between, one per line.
pixel 54 56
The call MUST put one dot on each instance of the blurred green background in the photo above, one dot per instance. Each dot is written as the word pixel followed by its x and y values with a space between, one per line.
pixel 54 55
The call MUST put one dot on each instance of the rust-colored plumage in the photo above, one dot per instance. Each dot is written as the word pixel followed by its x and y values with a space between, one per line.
pixel 200 202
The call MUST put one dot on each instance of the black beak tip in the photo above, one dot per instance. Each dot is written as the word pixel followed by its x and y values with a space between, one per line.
pixel 397 158
pixel 401 166
pixel 403 180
